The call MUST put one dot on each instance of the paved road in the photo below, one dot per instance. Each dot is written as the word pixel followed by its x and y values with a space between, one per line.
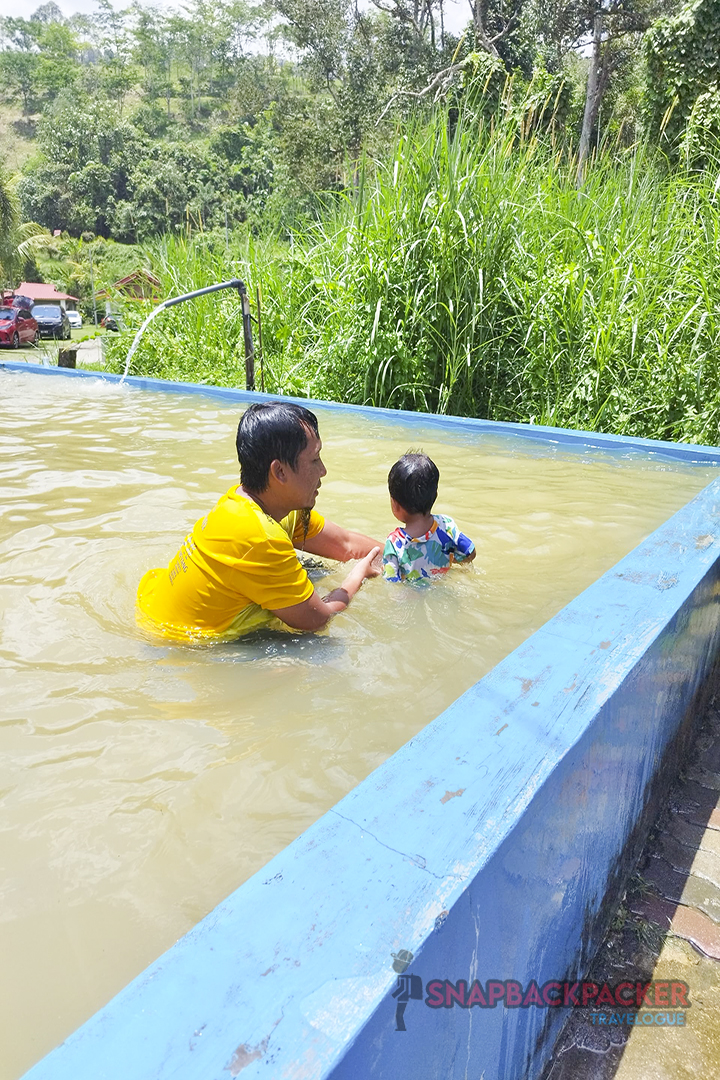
pixel 46 352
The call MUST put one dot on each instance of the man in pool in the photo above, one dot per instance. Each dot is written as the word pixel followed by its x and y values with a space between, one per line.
pixel 237 569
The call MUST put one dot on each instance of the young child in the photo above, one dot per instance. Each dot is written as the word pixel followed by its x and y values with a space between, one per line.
pixel 428 543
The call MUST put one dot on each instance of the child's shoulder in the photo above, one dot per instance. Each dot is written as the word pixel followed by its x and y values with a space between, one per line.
pixel 398 538
pixel 445 522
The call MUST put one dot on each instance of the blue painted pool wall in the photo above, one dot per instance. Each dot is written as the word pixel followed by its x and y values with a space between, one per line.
pixel 486 846
pixel 539 908
pixel 534 432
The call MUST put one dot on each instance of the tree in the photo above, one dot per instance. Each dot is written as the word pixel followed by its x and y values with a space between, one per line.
pixel 39 58
pixel 612 20
pixel 48 13
pixel 153 53
pixel 206 46
pixel 88 155
pixel 8 221
pixel 611 29
pixel 358 58
pixel 59 62
pixel 417 17
pixel 18 240
pixel 18 77
pixel 683 75
pixel 115 69
pixel 495 22
pixel 20 61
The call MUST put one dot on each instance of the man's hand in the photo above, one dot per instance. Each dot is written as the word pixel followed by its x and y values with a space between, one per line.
pixel 372 563
pixel 315 612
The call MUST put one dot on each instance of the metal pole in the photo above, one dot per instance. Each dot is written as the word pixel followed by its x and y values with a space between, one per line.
pixel 247 337
pixel 234 283
pixel 92 288
pixel 258 297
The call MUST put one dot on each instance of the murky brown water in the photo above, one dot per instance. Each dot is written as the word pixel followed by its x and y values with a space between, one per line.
pixel 141 783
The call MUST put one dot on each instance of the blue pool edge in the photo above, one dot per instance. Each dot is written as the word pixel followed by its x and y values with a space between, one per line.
pixel 689 452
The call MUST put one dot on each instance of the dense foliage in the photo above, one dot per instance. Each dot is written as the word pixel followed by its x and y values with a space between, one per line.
pixel 145 121
pixel 469 274
pixel 683 85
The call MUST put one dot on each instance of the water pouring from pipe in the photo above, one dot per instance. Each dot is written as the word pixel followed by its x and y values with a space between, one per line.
pixel 136 339
pixel 235 283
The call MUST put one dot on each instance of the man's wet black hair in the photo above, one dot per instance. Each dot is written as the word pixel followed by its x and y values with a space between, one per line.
pixel 413 482
pixel 271 431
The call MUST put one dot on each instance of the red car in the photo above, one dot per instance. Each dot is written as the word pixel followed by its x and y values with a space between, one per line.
pixel 17 327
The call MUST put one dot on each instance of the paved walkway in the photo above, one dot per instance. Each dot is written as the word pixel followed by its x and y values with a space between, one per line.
pixel 46 352
pixel 668 927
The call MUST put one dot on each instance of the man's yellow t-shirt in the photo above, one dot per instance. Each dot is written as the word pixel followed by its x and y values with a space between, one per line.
pixel 235 567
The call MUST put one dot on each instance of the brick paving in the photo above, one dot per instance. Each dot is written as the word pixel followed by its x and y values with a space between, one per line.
pixel 667 927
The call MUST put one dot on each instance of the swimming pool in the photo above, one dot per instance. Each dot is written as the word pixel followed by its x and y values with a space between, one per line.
pixel 155 778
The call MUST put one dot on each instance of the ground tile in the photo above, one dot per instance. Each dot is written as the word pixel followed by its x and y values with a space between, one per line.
pixel 696 801
pixel 685 831
pixel 704 777
pixel 686 1053
pixel 691 890
pixel 668 882
pixel 706 865
pixel 678 855
pixel 705 861
pixel 696 928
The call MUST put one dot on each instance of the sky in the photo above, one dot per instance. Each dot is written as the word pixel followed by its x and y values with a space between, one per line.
pixel 457 12
pixel 22 9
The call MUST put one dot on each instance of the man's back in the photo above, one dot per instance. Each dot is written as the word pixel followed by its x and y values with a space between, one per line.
pixel 236 566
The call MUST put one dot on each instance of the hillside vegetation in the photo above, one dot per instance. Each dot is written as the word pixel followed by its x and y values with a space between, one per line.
pixel 484 224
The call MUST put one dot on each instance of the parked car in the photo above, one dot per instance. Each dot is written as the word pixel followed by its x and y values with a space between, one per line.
pixel 17 327
pixel 52 321
pixel 21 302
pixel 75 319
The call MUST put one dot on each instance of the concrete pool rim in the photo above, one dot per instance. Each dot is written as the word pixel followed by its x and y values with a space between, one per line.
pixel 509 811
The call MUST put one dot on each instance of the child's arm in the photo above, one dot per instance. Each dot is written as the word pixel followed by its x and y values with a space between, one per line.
pixel 391 564
pixel 463 549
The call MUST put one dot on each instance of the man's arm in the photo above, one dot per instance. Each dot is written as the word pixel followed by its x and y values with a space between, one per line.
pixel 334 542
pixel 315 612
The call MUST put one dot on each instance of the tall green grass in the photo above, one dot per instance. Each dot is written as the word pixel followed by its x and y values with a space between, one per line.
pixel 472 275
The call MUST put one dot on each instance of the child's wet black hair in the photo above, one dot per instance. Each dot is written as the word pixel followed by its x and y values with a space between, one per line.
pixel 413 482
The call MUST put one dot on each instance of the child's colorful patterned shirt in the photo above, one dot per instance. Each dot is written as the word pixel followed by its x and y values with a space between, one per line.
pixel 408 558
